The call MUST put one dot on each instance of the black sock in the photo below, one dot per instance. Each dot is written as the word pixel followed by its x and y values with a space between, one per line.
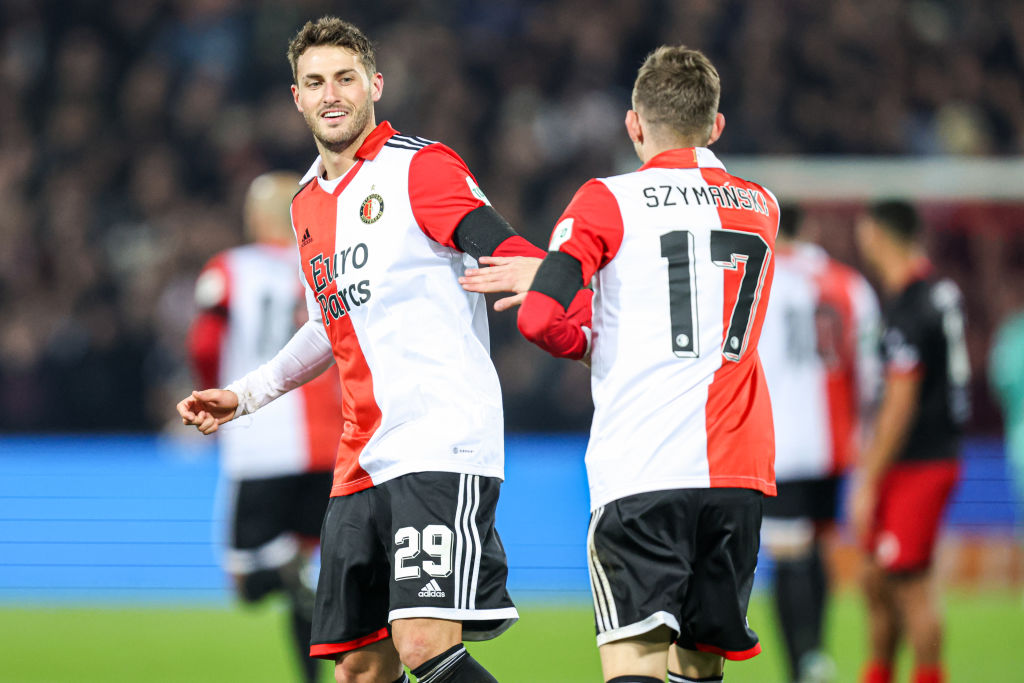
pixel 680 678
pixel 302 634
pixel 635 679
pixel 454 665
pixel 800 589
pixel 260 583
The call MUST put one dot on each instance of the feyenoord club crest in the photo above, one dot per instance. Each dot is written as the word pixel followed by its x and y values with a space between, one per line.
pixel 372 209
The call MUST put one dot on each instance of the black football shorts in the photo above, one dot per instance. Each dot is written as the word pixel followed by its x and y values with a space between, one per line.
pixel 268 517
pixel 683 558
pixel 814 499
pixel 420 545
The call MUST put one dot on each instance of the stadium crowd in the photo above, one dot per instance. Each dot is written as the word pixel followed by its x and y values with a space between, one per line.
pixel 130 129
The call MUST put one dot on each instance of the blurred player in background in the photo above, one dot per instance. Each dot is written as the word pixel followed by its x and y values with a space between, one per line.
pixel 819 349
pixel 278 466
pixel 906 473
pixel 680 257
pixel 1006 376
pixel 411 562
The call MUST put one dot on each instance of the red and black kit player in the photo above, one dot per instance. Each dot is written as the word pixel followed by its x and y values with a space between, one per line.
pixel 910 466
pixel 680 258
pixel 411 562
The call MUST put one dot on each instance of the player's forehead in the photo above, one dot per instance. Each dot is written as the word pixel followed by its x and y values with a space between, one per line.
pixel 327 60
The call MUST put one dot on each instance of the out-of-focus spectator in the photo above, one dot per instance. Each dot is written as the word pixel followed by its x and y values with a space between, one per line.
pixel 130 128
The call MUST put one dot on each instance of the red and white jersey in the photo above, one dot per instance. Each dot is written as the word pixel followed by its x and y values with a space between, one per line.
pixel 412 347
pixel 250 304
pixel 680 253
pixel 819 351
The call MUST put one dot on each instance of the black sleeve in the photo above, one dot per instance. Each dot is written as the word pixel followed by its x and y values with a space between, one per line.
pixel 560 276
pixel 481 231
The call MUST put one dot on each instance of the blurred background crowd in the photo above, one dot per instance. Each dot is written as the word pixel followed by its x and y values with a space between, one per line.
pixel 129 130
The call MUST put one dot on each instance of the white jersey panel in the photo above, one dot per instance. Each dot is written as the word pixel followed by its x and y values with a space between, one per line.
pixel 649 404
pixel 794 370
pixel 264 296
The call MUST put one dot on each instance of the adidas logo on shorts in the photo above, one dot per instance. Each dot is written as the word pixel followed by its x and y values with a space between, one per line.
pixel 431 590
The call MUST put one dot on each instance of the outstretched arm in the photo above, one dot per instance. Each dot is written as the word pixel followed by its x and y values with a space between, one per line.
pixel 306 355
pixel 504 274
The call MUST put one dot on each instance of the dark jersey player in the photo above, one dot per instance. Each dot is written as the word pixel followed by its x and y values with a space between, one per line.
pixel 907 472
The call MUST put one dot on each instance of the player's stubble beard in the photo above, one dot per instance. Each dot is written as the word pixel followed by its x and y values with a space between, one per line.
pixel 342 138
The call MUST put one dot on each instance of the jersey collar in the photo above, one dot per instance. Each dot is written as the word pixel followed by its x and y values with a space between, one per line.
pixel 368 150
pixel 688 157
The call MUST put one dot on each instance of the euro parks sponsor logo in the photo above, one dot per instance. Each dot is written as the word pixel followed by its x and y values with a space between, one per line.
pixel 431 590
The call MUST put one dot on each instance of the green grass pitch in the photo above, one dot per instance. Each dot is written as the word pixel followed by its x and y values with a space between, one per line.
pixel 550 644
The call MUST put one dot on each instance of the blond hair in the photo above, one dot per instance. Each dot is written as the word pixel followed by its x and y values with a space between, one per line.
pixel 678 88
pixel 331 31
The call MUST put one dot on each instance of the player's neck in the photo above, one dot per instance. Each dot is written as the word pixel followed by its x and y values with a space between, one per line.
pixel 337 163
pixel 904 267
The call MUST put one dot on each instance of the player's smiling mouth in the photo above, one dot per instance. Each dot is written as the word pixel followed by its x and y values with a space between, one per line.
pixel 333 114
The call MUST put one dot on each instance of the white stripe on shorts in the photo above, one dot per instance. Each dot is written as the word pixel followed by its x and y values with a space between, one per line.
pixel 467 542
pixel 604 603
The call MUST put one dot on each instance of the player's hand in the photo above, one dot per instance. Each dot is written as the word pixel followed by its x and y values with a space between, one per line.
pixel 503 274
pixel 863 503
pixel 208 409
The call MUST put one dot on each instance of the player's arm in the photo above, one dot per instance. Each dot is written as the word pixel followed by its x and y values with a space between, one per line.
pixel 452 210
pixel 903 378
pixel 556 311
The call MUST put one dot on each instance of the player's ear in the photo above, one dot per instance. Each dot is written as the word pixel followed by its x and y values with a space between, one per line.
pixel 717 127
pixel 377 86
pixel 295 96
pixel 633 127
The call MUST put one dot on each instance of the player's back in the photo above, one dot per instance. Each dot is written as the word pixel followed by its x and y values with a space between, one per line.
pixel 679 394
pixel 819 355
pixel 925 336
pixel 257 286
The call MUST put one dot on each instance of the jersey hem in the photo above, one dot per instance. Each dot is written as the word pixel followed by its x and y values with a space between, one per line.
pixel 754 483
pixel 329 650
pixel 639 628
pixel 348 488
pixel 510 615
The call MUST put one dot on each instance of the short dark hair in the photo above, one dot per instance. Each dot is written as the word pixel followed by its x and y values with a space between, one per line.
pixel 790 217
pixel 331 31
pixel 678 87
pixel 898 218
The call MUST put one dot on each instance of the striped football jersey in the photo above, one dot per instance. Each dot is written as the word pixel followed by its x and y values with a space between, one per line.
pixel 381 274
pixel 819 351
pixel 680 257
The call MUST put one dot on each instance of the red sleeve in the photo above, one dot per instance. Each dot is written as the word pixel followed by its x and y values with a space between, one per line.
pixel 205 339
pixel 206 335
pixel 590 229
pixel 562 333
pixel 517 245
pixel 442 191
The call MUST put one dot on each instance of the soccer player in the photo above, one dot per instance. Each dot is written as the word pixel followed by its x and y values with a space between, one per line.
pixel 411 562
pixel 820 355
pixel 278 467
pixel 680 257
pixel 906 472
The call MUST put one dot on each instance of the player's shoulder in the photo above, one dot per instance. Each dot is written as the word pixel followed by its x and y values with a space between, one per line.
pixel 412 144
